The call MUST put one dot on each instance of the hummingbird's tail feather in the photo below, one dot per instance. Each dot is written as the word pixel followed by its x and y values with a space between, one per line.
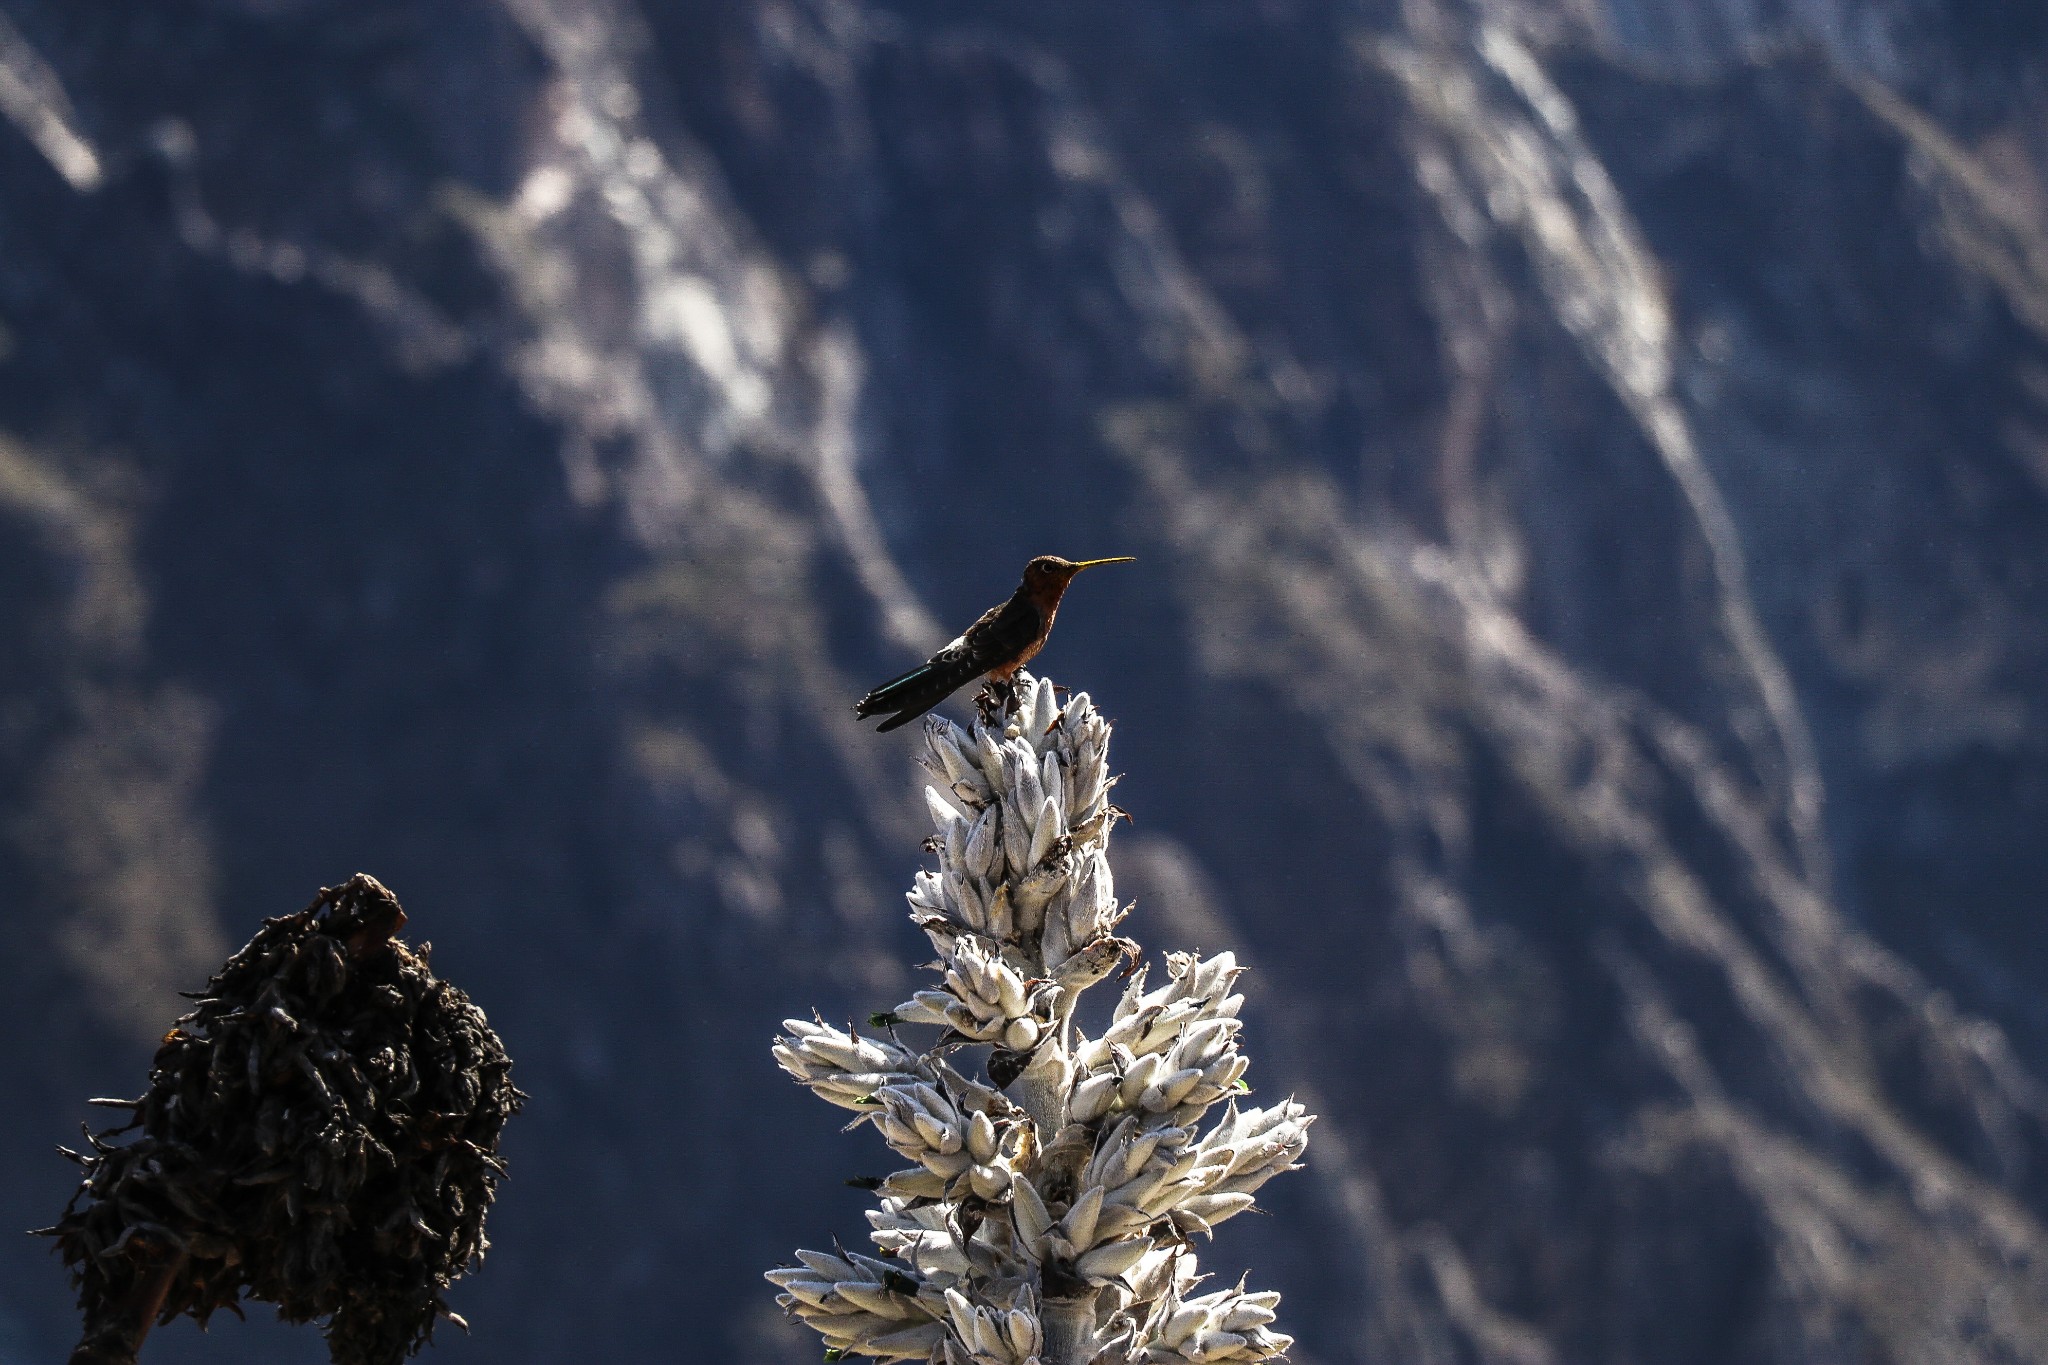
pixel 917 691
pixel 905 717
pixel 886 696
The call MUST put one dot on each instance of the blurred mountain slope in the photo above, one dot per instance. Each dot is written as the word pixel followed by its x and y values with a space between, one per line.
pixel 1587 470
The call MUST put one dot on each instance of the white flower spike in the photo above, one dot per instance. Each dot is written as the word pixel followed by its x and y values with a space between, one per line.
pixel 1045 1217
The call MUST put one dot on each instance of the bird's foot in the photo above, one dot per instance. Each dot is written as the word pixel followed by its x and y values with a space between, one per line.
pixel 995 700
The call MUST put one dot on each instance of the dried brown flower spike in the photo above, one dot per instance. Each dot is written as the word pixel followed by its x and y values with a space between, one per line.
pixel 320 1133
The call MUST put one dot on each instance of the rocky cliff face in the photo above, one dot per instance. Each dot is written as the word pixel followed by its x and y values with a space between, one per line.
pixel 1589 467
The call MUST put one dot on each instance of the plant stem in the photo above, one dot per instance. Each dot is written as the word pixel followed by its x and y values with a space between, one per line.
pixel 116 1341
pixel 1069 1326
pixel 1042 1090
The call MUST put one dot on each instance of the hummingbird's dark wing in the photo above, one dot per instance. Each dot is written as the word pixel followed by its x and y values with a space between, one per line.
pixel 1003 633
pixel 1007 634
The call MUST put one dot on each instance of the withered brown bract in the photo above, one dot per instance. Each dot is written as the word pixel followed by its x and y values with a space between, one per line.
pixel 319 1133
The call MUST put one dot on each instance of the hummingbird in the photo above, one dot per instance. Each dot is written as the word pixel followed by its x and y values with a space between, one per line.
pixel 998 644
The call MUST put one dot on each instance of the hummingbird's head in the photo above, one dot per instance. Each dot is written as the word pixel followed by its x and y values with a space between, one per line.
pixel 1051 574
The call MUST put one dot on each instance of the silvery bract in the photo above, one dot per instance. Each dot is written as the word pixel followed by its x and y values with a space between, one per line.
pixel 1047 1218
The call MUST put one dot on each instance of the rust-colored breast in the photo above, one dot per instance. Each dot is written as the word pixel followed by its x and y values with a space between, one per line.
pixel 1016 632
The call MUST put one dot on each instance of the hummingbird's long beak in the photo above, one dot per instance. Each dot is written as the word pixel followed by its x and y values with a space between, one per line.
pixel 1091 563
